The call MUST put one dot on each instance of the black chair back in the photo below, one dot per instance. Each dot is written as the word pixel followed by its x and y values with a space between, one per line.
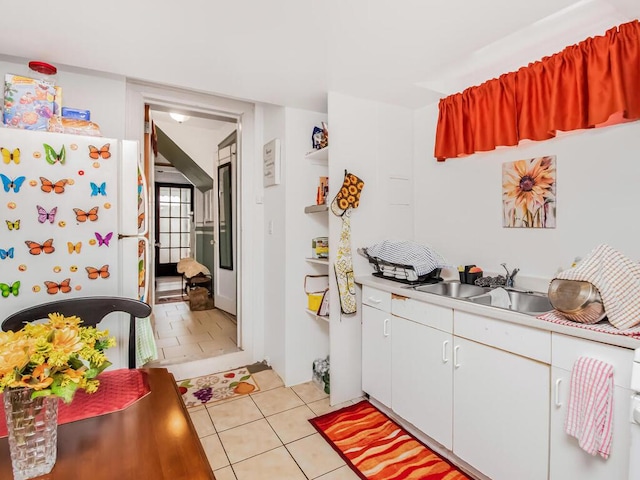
pixel 90 309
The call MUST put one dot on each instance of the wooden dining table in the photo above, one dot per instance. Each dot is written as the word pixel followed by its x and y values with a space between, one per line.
pixel 151 439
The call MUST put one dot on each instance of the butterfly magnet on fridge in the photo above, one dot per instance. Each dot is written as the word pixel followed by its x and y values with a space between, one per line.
pixel 13 225
pixel 98 189
pixel 12 184
pixel 44 216
pixel 36 248
pixel 9 156
pixel 82 216
pixel 64 286
pixel 47 186
pixel 98 153
pixel 13 289
pixel 95 273
pixel 103 240
pixel 52 157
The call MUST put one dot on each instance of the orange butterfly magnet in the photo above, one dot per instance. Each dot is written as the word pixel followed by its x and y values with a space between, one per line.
pixel 94 273
pixel 48 186
pixel 64 286
pixel 74 248
pixel 102 152
pixel 140 220
pixel 36 248
pixel 82 216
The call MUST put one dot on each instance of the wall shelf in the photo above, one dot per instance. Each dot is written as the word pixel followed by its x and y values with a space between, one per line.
pixel 320 154
pixel 318 317
pixel 320 261
pixel 316 208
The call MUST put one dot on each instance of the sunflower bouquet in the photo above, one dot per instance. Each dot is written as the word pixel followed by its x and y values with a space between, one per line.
pixel 54 358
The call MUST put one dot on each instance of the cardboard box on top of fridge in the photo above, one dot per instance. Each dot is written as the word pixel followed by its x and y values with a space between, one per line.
pixel 30 103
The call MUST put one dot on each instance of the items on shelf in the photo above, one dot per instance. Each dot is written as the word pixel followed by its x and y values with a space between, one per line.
pixel 323 309
pixel 29 103
pixel 74 126
pixel 321 373
pixel 76 113
pixel 320 137
pixel 315 287
pixel 35 103
pixel 322 191
pixel 320 247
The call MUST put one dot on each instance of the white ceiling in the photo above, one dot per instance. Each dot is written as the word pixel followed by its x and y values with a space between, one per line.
pixel 291 52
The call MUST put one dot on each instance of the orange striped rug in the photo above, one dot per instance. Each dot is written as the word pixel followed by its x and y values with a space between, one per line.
pixel 376 448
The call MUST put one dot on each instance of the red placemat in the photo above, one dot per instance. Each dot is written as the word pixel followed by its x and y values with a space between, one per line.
pixel 118 389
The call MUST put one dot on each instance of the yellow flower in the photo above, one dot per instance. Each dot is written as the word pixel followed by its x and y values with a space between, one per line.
pixel 529 185
pixel 15 355
pixel 67 340
pixel 74 375
pixel 55 357
pixel 38 380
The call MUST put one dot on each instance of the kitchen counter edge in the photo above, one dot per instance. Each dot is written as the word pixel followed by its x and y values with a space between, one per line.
pixel 496 313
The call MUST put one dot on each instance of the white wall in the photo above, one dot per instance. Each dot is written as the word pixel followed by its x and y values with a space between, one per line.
pixel 374 141
pixel 306 338
pixel 459 209
pixel 275 255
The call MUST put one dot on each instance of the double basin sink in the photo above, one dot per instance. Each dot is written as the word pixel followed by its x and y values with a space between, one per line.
pixel 531 303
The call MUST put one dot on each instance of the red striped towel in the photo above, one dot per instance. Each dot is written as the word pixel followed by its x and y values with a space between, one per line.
pixel 590 410
pixel 603 326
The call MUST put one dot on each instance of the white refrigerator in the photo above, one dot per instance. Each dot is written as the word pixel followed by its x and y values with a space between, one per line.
pixel 73 213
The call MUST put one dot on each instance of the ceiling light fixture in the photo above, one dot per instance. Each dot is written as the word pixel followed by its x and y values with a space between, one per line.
pixel 178 117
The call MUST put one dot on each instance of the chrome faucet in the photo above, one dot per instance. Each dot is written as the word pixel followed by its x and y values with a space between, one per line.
pixel 510 276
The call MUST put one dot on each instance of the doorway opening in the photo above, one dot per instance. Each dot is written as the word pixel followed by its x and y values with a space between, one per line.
pixel 174 209
pixel 195 198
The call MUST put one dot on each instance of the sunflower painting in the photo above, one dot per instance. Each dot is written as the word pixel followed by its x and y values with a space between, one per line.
pixel 529 193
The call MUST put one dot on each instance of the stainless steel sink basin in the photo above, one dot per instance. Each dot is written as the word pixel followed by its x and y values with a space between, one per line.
pixel 452 289
pixel 524 302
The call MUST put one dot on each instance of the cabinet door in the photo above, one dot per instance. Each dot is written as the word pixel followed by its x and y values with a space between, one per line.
pixel 376 354
pixel 422 378
pixel 500 412
pixel 568 460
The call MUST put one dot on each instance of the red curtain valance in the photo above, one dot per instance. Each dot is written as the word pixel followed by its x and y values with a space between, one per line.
pixel 583 86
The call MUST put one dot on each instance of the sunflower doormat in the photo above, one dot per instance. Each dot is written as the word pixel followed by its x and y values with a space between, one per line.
pixel 217 386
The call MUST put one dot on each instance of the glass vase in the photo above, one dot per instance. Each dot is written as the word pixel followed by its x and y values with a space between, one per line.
pixel 32 426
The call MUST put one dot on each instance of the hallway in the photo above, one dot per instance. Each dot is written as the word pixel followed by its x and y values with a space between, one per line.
pixel 183 335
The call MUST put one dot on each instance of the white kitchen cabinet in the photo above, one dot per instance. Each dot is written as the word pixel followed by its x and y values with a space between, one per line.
pixel 500 412
pixel 421 377
pixel 376 353
pixel 567 459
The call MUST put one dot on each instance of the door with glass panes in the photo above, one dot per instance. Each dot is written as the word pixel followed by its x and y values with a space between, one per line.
pixel 174 207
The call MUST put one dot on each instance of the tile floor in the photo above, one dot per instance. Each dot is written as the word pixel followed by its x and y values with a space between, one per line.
pixel 183 335
pixel 266 435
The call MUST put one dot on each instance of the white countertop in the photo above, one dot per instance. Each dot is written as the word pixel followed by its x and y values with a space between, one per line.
pixel 494 312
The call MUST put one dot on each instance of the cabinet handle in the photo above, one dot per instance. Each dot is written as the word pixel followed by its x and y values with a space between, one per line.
pixel 444 351
pixel 455 356
pixel 374 300
pixel 558 382
pixel 385 324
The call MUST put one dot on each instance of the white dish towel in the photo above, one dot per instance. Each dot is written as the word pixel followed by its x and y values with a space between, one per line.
pixel 590 408
pixel 500 298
